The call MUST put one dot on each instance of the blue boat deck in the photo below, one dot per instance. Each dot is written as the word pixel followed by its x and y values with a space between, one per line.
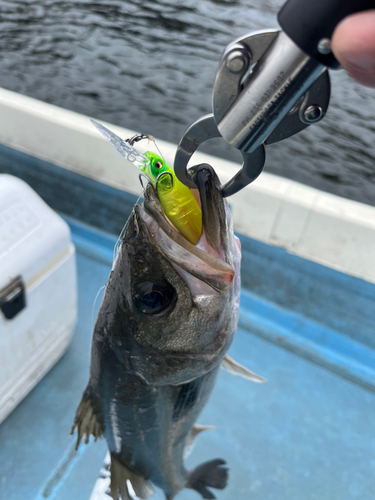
pixel 308 433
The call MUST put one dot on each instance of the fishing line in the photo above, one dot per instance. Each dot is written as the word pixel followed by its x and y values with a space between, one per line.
pixel 118 241
pixel 140 137
pixel 150 138
pixel 157 147
pixel 93 306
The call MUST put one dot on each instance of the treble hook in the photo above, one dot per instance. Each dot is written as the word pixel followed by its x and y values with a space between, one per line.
pixel 159 178
pixel 140 177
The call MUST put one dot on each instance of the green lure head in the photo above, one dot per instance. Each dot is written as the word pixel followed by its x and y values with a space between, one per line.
pixel 155 167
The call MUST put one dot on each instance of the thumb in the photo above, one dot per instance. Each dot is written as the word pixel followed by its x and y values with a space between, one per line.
pixel 353 44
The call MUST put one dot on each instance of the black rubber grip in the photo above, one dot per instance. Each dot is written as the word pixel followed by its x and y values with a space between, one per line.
pixel 307 22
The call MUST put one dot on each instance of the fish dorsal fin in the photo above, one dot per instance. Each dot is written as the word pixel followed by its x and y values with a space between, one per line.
pixel 195 431
pixel 235 368
pixel 89 418
pixel 120 474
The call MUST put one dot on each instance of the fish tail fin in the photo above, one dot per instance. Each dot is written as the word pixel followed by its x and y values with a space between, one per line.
pixel 120 475
pixel 89 418
pixel 211 474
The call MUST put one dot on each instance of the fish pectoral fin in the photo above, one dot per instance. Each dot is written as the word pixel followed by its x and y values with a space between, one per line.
pixel 89 418
pixel 212 474
pixel 120 474
pixel 235 368
pixel 195 431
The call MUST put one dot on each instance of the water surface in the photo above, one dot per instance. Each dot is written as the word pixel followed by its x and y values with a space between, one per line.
pixel 150 66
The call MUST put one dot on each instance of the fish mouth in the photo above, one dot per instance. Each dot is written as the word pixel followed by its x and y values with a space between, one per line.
pixel 210 261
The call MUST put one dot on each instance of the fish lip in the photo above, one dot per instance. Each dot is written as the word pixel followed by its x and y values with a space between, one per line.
pixel 210 265
pixel 215 237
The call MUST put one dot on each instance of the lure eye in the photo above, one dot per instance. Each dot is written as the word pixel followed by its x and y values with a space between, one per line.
pixel 158 164
pixel 153 298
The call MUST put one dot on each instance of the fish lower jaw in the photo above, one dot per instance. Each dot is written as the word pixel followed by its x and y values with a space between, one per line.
pixel 202 243
pixel 206 268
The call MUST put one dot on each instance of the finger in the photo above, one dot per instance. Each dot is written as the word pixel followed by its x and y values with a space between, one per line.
pixel 353 44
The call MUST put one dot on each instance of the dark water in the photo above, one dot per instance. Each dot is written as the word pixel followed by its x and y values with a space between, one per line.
pixel 150 65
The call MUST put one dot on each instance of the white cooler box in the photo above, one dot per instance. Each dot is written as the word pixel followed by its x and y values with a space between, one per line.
pixel 38 290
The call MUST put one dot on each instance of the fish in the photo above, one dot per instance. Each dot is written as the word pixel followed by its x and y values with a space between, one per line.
pixel 177 200
pixel 167 319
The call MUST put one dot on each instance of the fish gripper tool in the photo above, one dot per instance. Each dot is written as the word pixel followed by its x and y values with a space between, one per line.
pixel 269 86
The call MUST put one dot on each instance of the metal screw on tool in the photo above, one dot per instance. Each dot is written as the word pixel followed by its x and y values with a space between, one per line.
pixel 324 46
pixel 312 114
pixel 236 61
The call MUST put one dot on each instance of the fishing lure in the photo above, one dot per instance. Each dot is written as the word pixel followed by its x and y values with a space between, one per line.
pixel 177 200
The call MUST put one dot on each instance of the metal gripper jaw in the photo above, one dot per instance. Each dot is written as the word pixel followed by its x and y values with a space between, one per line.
pixel 200 131
pixel 266 90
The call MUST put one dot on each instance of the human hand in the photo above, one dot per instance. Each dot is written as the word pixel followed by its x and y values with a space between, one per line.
pixel 353 44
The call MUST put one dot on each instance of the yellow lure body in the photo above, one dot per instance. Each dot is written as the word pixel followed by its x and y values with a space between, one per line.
pixel 177 200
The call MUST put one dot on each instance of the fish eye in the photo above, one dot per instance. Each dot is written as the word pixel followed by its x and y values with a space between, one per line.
pixel 158 164
pixel 153 298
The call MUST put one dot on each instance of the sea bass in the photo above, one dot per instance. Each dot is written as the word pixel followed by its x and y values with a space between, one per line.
pixel 165 324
